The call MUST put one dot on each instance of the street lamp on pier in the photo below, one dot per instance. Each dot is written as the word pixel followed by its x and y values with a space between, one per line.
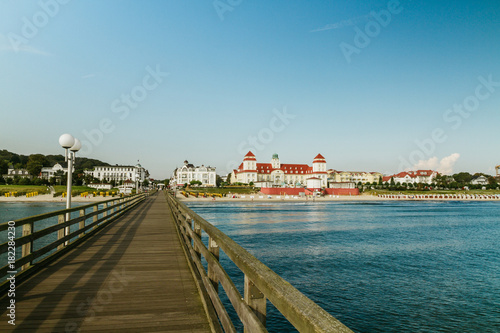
pixel 71 145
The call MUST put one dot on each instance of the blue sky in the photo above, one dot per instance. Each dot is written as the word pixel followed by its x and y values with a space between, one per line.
pixel 372 85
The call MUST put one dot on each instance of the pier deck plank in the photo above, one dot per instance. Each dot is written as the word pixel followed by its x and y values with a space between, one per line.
pixel 130 277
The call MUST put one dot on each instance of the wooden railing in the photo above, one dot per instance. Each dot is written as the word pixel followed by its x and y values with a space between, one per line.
pixel 25 264
pixel 260 282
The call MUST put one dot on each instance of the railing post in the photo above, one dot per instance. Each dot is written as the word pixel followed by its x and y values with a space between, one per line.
pixel 255 300
pixel 96 208
pixel 81 225
pixel 105 212
pixel 213 247
pixel 60 233
pixel 26 248
pixel 189 221
pixel 197 231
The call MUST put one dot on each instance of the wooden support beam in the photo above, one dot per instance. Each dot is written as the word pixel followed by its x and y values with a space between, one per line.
pixel 212 273
pixel 255 300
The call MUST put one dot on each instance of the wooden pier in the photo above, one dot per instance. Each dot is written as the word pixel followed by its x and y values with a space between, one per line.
pixel 132 276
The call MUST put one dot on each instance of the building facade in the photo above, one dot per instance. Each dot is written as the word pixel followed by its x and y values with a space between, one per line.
pixel 277 174
pixel 49 172
pixel 413 177
pixel 354 177
pixel 22 173
pixel 119 173
pixel 481 180
pixel 188 172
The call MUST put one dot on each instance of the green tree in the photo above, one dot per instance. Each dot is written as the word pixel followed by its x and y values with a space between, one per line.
pixel 24 181
pixel 463 177
pixel 35 164
pixel 218 180
pixel 4 167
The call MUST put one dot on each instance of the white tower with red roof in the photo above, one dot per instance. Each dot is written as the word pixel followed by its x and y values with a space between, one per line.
pixel 319 169
pixel 250 162
pixel 319 164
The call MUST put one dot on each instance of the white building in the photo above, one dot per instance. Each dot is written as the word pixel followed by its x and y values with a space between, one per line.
pixel 279 174
pixel 119 173
pixel 22 173
pixel 413 177
pixel 481 180
pixel 49 172
pixel 188 172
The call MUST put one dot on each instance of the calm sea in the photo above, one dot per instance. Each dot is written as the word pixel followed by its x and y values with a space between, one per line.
pixel 377 267
pixel 17 210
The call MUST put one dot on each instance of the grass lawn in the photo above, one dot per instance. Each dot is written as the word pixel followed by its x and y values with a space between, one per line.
pixel 23 189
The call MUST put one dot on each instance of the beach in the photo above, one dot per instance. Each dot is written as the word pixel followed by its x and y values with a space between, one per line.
pixel 51 198
pixel 259 197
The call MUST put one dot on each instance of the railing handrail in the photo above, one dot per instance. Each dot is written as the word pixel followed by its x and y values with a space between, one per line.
pixel 34 218
pixel 298 309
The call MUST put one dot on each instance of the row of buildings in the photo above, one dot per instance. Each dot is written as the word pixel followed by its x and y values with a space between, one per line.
pixel 294 175
pixel 45 173
pixel 117 174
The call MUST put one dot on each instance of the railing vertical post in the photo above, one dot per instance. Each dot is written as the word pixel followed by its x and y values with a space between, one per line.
pixel 213 247
pixel 255 300
pixel 60 233
pixel 81 225
pixel 26 248
pixel 96 208
pixel 197 231
pixel 189 221
pixel 105 212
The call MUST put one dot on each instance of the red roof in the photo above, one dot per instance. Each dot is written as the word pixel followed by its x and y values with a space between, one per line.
pixel 319 156
pixel 249 154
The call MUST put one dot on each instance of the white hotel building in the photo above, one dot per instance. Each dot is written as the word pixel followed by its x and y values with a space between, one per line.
pixel 277 174
pixel 188 172
pixel 119 173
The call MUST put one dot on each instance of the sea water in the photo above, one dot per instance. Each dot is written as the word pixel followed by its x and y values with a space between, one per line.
pixel 376 266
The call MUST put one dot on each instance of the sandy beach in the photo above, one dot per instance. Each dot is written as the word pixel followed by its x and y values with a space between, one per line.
pixel 51 198
pixel 275 198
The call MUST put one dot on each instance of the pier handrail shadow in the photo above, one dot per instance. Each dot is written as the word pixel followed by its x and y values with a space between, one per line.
pixel 260 282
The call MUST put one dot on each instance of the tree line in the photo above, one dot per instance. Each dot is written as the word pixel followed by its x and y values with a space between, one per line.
pixel 35 162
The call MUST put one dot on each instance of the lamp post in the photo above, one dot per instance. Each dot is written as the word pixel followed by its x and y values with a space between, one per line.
pixel 71 146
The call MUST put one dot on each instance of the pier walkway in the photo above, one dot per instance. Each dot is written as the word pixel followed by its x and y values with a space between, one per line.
pixel 132 276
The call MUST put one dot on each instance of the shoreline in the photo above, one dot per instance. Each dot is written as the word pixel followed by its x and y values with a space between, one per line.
pixel 358 198
pixel 51 198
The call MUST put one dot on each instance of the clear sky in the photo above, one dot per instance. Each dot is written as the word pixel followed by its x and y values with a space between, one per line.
pixel 371 85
